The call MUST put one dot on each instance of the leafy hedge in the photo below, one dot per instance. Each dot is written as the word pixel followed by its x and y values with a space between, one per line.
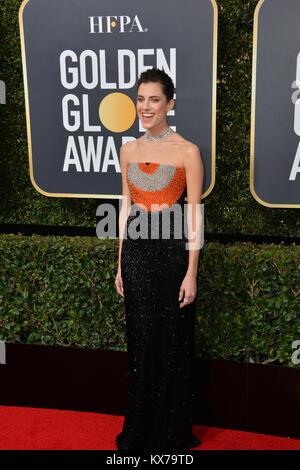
pixel 61 291
pixel 249 302
pixel 230 207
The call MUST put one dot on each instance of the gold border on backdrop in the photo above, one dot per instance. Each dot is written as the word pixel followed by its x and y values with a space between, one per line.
pixel 214 101
pixel 253 104
pixel 113 196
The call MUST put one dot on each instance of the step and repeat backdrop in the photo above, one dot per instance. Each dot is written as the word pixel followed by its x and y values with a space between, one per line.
pixel 275 123
pixel 81 63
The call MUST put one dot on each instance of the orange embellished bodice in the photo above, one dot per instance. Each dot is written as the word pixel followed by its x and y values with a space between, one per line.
pixel 157 192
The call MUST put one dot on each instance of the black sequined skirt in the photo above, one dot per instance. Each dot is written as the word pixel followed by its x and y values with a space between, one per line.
pixel 160 345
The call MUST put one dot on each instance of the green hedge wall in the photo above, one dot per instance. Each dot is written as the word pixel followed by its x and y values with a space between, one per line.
pixel 230 207
pixel 61 291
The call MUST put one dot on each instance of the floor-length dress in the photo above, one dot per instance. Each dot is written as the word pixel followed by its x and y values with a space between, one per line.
pixel 160 334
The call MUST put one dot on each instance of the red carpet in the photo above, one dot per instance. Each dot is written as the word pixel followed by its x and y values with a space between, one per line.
pixel 43 429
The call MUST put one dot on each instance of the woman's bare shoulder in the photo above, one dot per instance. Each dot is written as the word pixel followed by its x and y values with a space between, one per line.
pixel 184 143
pixel 185 147
pixel 129 145
pixel 190 154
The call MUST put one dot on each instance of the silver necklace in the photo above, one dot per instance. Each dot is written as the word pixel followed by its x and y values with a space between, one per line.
pixel 158 138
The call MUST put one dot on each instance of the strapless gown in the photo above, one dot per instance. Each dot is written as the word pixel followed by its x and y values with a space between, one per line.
pixel 159 334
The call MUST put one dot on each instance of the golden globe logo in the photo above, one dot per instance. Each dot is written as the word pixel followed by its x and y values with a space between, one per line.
pixel 120 24
pixel 86 149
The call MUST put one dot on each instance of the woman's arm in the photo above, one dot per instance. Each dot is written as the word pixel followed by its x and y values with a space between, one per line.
pixel 194 177
pixel 126 200
pixel 124 212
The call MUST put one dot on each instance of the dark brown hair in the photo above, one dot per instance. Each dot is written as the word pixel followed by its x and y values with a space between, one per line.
pixel 157 75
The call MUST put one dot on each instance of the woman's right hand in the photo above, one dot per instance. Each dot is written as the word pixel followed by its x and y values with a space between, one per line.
pixel 119 283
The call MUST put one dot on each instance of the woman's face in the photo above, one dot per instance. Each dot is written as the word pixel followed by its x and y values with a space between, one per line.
pixel 153 102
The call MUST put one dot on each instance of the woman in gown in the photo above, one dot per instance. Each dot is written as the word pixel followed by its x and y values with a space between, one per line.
pixel 157 273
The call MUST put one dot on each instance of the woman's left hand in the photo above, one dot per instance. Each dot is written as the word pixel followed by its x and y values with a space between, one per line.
pixel 188 290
